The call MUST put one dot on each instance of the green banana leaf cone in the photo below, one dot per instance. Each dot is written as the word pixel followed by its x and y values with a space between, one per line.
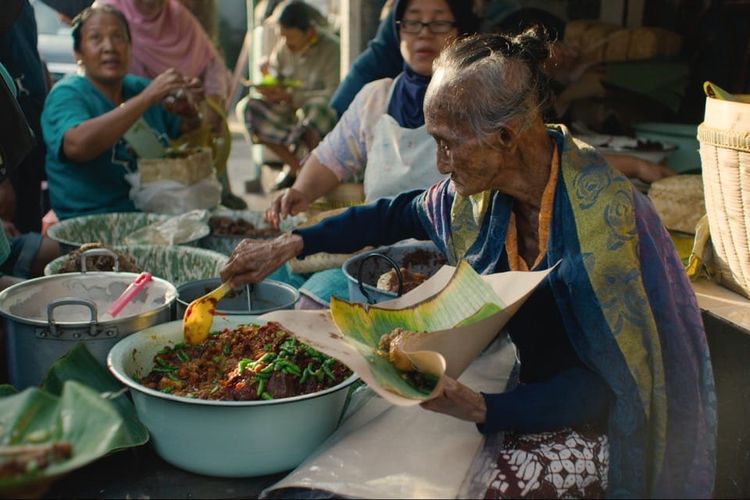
pixel 465 300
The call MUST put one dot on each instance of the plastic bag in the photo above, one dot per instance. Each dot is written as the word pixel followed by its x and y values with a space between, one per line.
pixel 172 197
pixel 173 231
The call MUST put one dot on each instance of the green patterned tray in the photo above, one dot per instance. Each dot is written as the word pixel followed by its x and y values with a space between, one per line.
pixel 108 229
pixel 176 264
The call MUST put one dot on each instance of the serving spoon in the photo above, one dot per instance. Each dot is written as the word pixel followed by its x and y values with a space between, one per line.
pixel 199 315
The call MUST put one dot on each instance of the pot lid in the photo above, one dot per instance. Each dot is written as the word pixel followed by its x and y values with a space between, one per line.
pixel 30 300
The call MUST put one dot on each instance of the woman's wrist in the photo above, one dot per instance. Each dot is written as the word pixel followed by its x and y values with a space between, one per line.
pixel 290 245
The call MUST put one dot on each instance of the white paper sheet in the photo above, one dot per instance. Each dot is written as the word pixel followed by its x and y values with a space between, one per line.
pixel 386 451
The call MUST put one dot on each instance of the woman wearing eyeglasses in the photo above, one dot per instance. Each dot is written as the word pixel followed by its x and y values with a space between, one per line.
pixel 382 135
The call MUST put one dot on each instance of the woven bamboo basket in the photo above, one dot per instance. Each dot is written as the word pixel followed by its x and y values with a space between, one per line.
pixel 679 201
pixel 724 138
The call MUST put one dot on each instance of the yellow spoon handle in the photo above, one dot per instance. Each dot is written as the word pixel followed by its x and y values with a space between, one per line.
pixel 219 292
pixel 199 315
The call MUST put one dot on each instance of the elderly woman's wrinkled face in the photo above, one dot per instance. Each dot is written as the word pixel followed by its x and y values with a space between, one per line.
pixel 105 48
pixel 474 165
pixel 421 44
pixel 149 8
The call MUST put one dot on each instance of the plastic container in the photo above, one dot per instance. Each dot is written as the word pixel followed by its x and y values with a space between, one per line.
pixel 686 157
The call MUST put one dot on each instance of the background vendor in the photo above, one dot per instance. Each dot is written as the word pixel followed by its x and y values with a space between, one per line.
pixel 86 116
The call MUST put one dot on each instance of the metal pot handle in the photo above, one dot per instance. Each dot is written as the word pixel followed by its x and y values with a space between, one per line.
pixel 390 262
pixel 72 301
pixel 99 252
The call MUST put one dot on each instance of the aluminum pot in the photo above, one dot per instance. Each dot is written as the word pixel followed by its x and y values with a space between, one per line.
pixel 263 297
pixel 363 270
pixel 224 438
pixel 46 317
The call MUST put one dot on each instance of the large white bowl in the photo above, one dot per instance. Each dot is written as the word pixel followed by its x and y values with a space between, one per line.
pixel 224 438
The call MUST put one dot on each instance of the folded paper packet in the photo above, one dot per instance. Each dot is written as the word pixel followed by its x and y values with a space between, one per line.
pixel 460 311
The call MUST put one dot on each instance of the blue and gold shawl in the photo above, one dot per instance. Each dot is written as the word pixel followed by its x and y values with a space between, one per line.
pixel 630 313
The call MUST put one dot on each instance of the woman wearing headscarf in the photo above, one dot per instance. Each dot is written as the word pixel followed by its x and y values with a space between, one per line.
pixel 382 136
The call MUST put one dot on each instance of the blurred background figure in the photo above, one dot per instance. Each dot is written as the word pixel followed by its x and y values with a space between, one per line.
pixel 21 255
pixel 21 194
pixel 291 115
pixel 166 35
pixel 382 136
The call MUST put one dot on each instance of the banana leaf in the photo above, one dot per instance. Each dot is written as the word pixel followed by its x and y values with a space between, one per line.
pixel 467 299
pixel 7 390
pixel 79 416
pixel 80 365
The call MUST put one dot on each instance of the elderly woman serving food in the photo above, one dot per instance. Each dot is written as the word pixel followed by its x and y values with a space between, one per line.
pixel 86 118
pixel 616 392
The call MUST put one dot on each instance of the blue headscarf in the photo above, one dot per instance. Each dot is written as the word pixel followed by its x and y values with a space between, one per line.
pixel 407 101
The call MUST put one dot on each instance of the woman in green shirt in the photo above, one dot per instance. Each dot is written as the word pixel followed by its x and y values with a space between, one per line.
pixel 86 116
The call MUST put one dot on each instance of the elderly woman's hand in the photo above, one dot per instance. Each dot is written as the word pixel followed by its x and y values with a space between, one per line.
pixel 290 202
pixel 253 260
pixel 458 401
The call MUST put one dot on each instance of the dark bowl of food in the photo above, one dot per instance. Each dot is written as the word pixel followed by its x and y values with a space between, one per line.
pixel 250 400
pixel 389 272
pixel 229 227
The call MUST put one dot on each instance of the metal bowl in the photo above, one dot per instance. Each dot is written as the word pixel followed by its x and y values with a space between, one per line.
pixel 110 229
pixel 266 296
pixel 224 438
pixel 225 243
pixel 363 270
pixel 46 317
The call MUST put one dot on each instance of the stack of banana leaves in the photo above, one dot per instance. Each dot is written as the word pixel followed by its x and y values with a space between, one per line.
pixel 77 415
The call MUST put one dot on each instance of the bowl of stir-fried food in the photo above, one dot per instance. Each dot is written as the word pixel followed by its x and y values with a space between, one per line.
pixel 249 400
pixel 229 227
pixel 389 272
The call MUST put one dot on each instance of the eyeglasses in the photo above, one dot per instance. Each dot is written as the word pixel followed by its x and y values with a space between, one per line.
pixel 435 27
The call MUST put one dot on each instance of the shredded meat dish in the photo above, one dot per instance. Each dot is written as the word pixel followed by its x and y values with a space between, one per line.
pixel 98 262
pixel 244 364
pixel 389 281
pixel 390 347
pixel 26 459
pixel 416 259
pixel 226 226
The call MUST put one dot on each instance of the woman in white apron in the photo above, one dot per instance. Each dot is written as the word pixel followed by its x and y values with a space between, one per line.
pixel 382 135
